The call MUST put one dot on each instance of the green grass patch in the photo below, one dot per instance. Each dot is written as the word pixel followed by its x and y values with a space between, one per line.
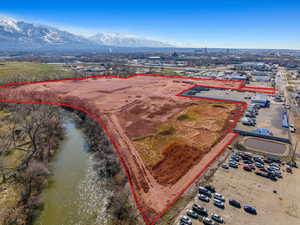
pixel 183 117
pixel 166 130
pixel 28 71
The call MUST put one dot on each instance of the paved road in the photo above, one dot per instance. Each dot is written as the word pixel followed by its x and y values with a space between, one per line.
pixel 294 111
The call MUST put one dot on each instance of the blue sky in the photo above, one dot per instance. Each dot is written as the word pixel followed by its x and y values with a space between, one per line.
pixel 231 23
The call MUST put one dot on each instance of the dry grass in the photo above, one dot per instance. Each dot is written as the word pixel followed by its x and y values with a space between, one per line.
pixel 198 126
pixel 9 192
pixel 27 71
pixel 10 196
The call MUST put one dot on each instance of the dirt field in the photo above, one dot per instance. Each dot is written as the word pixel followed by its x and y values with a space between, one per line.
pixel 278 208
pixel 164 140
pixel 266 146
pixel 186 136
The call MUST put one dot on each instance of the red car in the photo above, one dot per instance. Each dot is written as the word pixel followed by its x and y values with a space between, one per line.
pixel 252 166
pixel 247 168
pixel 263 170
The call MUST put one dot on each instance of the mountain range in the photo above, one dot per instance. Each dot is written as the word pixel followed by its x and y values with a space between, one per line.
pixel 20 35
pixel 123 40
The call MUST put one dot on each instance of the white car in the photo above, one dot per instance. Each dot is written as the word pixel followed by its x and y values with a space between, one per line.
pixel 185 220
pixel 217 218
pixel 219 197
pixel 292 128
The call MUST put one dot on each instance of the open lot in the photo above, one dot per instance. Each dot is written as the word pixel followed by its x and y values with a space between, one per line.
pixel 266 146
pixel 282 207
pixel 152 129
pixel 229 95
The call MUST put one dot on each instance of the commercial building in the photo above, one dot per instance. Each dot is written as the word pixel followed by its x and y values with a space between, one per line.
pixel 262 100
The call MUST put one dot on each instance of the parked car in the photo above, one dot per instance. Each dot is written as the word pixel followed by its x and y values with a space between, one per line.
pixel 247 168
pixel 292 128
pixel 219 197
pixel 248 161
pixel 192 214
pixel 272 176
pixel 275 165
pixel 250 209
pixel 263 169
pixel 248 114
pixel 273 160
pixel 219 203
pixel 292 164
pixel 217 218
pixel 246 156
pixel 252 111
pixel 239 154
pixel 258 159
pixel 235 156
pixel 251 166
pixel 224 166
pixel 203 198
pixel 273 168
pixel 253 108
pixel 289 170
pixel 259 165
pixel 207 221
pixel 233 161
pixel 235 203
pixel 278 174
pixel 186 220
pixel 200 210
pixel 234 164
pixel 247 121
pixel 262 174
pixel 210 188
pixel 204 191
pixel 257 106
pixel 268 161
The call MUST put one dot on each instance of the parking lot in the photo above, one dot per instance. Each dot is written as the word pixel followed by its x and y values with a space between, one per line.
pixel 230 95
pixel 276 202
pixel 270 118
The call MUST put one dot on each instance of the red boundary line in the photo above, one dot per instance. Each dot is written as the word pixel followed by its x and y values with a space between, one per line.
pixel 238 89
pixel 146 219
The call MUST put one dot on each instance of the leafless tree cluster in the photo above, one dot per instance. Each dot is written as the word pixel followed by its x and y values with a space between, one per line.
pixel 35 131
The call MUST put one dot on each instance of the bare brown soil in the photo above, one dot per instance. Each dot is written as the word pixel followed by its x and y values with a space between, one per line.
pixel 134 110
pixel 178 158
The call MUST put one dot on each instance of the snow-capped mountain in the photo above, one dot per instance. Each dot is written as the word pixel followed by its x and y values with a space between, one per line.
pixel 21 35
pixel 124 40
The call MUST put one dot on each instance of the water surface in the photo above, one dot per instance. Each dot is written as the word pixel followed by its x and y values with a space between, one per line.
pixel 75 195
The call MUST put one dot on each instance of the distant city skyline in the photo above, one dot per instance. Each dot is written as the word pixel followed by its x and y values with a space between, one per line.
pixel 218 24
